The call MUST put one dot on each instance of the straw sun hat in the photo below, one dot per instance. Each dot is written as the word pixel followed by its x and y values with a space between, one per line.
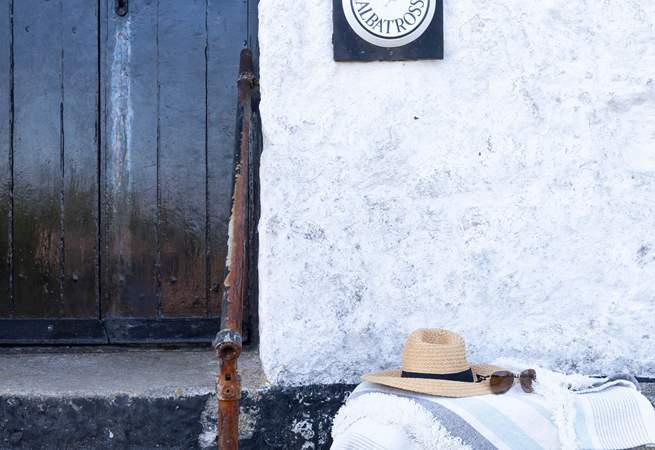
pixel 434 362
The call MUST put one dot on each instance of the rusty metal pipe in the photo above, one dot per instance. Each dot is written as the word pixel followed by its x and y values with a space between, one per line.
pixel 228 341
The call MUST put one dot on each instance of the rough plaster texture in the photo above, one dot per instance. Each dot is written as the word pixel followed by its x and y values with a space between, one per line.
pixel 507 192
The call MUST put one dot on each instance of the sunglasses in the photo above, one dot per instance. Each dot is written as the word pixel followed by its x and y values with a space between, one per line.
pixel 503 380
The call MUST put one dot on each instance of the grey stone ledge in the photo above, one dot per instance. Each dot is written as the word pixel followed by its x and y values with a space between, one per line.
pixel 106 372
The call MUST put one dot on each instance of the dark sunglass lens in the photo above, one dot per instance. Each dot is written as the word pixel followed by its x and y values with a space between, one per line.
pixel 501 382
pixel 527 378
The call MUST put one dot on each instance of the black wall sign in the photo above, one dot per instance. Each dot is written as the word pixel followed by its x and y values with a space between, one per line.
pixel 387 30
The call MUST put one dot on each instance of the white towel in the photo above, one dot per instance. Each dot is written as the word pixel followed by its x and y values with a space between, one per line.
pixel 605 414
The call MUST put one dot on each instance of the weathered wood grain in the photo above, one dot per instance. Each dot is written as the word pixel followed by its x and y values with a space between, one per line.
pixel 55 158
pixel 37 158
pixel 227 31
pixel 6 299
pixel 253 27
pixel 182 40
pixel 130 262
pixel 80 157
pixel 122 156
pixel 250 326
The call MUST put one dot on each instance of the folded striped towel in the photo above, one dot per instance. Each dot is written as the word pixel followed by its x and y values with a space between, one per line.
pixel 565 412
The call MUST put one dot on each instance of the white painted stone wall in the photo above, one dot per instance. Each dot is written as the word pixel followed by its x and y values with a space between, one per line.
pixel 507 192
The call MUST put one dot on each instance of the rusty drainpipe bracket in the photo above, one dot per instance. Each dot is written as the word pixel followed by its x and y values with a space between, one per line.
pixel 228 344
pixel 228 388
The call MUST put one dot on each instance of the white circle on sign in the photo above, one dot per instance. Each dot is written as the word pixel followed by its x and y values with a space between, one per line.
pixel 389 23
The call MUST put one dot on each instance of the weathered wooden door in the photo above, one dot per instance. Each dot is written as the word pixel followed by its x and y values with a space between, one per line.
pixel 116 153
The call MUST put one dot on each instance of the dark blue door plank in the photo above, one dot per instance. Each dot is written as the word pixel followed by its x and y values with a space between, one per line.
pixel 182 184
pixel 130 262
pixel 37 158
pixel 55 158
pixel 253 27
pixel 6 299
pixel 228 31
pixel 163 127
pixel 80 28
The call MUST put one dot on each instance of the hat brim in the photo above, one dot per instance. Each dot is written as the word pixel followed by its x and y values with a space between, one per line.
pixel 444 388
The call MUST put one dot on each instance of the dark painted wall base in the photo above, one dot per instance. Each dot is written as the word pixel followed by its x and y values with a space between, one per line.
pixel 274 418
pixel 121 422
pixel 290 418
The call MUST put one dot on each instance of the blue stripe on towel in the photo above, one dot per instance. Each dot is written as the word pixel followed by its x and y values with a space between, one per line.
pixel 456 425
pixel 505 428
pixel 451 421
pixel 538 406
